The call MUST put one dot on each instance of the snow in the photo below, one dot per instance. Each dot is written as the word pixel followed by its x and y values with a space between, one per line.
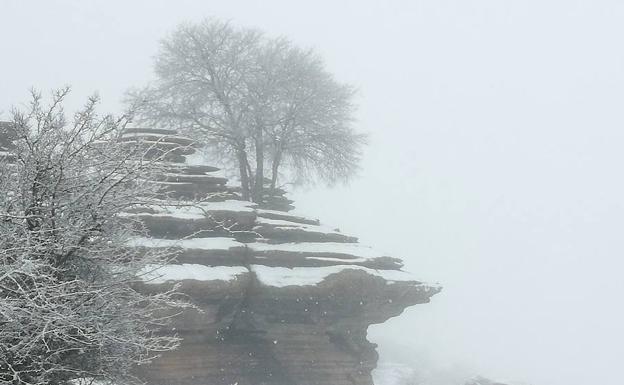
pixel 154 135
pixel 155 274
pixel 310 276
pixel 171 183
pixel 340 260
pixel 217 243
pixel 151 133
pixel 181 214
pixel 195 210
pixel 191 176
pixel 392 374
pixel 351 249
pixel 196 159
pixel 88 381
pixel 228 205
pixel 289 214
pixel 285 225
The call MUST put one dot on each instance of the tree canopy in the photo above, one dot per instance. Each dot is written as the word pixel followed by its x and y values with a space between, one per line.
pixel 258 101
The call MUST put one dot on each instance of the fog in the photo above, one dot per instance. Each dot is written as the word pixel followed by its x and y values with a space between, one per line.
pixel 494 165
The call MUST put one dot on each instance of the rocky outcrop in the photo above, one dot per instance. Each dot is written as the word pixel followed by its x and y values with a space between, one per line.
pixel 280 299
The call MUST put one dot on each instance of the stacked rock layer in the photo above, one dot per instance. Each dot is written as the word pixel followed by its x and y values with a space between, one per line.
pixel 282 299
pixel 279 298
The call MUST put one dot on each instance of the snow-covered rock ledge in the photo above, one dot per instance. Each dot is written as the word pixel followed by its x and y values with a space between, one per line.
pixel 279 298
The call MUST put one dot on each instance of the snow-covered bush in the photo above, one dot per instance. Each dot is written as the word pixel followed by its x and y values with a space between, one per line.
pixel 68 309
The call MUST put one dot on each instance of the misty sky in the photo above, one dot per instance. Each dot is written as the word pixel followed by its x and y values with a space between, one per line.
pixel 495 162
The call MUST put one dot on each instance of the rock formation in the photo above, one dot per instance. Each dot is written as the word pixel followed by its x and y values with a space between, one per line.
pixel 283 299
pixel 280 299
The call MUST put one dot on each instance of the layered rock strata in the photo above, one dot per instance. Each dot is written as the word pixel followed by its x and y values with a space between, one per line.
pixel 281 299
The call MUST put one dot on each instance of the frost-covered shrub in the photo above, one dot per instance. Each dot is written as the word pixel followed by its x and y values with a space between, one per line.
pixel 68 309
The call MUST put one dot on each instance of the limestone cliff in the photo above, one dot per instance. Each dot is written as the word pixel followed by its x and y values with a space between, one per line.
pixel 280 299
pixel 283 299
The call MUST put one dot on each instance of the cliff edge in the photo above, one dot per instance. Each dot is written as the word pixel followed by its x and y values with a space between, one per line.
pixel 279 298
pixel 283 300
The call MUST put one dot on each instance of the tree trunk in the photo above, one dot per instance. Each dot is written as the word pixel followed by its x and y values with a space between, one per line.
pixel 250 178
pixel 244 176
pixel 275 167
pixel 259 182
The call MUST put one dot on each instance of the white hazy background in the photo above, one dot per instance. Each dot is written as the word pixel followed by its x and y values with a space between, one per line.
pixel 494 167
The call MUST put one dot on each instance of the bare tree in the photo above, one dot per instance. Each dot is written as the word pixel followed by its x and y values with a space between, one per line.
pixel 258 100
pixel 202 75
pixel 68 308
pixel 312 134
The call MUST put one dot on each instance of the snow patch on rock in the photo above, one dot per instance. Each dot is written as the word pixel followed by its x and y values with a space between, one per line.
pixel 217 243
pixel 158 274
pixel 286 225
pixel 348 249
pixel 310 276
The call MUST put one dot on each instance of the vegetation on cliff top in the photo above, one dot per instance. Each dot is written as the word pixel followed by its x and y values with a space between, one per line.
pixel 260 102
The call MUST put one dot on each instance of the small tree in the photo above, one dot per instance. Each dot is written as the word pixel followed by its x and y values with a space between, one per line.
pixel 258 101
pixel 68 309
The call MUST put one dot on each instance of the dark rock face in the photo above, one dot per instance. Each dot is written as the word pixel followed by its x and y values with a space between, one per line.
pixel 281 299
pixel 249 333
